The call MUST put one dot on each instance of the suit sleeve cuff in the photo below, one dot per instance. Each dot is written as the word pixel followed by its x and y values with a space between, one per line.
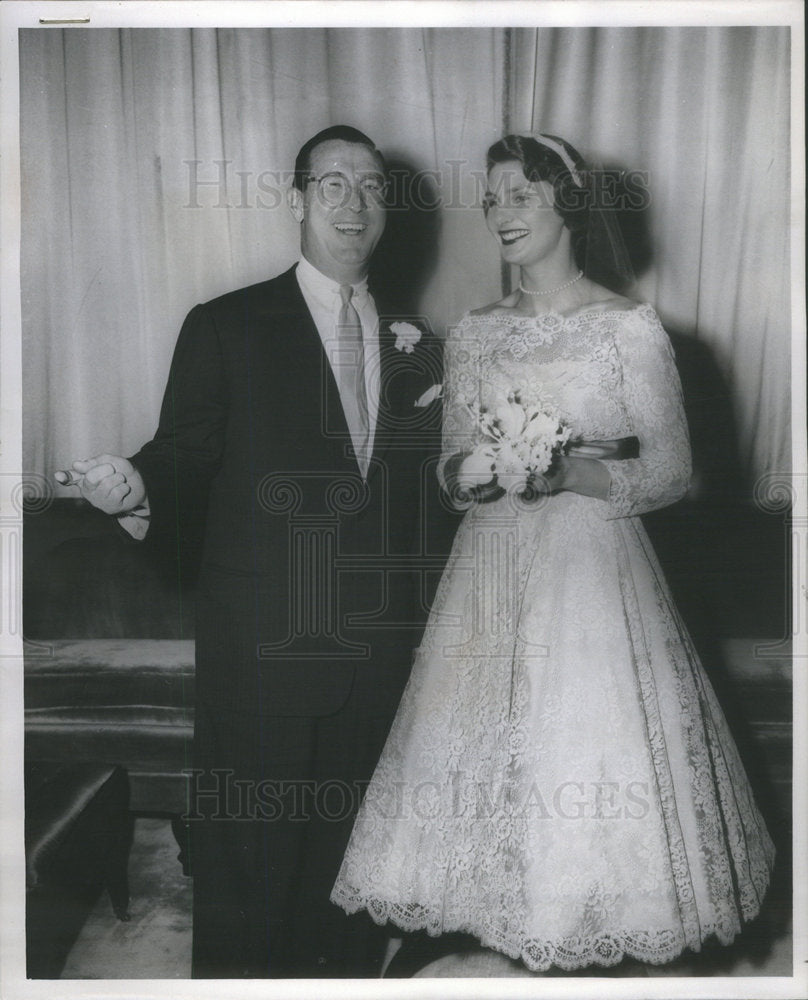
pixel 136 522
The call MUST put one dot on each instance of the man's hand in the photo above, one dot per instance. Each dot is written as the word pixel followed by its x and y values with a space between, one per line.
pixel 111 483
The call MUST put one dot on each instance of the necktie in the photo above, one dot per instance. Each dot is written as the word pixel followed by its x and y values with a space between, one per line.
pixel 351 376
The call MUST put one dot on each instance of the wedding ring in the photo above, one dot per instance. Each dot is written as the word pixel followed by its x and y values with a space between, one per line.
pixel 66 477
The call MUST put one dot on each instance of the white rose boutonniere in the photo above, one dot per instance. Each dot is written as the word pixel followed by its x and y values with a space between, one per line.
pixel 407 336
pixel 427 398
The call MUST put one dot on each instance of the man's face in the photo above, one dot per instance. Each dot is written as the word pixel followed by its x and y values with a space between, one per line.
pixel 342 212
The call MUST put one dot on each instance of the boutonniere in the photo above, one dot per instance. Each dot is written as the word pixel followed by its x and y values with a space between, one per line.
pixel 432 393
pixel 407 336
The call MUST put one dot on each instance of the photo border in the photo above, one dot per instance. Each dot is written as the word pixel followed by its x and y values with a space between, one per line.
pixel 27 13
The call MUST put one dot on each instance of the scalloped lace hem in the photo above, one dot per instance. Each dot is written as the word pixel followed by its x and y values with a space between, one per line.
pixel 606 950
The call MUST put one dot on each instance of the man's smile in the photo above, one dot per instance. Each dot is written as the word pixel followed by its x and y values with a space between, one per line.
pixel 350 228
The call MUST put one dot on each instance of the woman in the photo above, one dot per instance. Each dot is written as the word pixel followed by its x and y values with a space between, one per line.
pixel 560 781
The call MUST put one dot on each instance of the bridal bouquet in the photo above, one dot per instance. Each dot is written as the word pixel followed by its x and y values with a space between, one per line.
pixel 520 443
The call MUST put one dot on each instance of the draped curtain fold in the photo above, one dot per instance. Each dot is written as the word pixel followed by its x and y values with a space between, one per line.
pixel 705 114
pixel 154 168
pixel 154 163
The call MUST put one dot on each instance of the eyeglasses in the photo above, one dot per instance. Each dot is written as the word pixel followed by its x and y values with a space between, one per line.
pixel 336 189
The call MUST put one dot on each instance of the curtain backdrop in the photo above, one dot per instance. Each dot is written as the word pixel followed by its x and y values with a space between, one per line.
pixel 154 162
pixel 705 112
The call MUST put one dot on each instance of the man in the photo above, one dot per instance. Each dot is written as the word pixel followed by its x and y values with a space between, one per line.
pixel 289 426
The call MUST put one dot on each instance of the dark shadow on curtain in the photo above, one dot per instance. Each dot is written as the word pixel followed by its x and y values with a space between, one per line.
pixel 407 252
pixel 727 563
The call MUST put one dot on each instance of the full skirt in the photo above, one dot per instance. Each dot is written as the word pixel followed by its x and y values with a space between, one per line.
pixel 560 780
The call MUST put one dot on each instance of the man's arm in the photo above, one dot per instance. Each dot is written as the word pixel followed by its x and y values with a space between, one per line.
pixel 177 465
pixel 160 487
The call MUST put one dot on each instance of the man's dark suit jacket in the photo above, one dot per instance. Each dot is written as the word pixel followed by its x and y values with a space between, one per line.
pixel 310 601
pixel 309 579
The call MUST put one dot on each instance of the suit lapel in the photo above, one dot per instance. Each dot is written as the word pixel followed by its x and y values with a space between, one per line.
pixel 384 419
pixel 307 356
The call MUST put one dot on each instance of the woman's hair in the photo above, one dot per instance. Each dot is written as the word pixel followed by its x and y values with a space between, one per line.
pixel 541 162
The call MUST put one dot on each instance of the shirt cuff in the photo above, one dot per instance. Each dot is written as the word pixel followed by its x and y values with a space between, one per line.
pixel 136 522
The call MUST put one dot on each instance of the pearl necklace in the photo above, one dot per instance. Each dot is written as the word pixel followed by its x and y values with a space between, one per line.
pixel 550 291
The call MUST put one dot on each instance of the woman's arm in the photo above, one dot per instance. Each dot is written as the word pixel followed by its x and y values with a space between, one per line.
pixel 652 399
pixel 587 476
pixel 461 393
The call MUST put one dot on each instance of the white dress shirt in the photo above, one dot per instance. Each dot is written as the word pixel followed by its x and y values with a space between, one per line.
pixel 323 299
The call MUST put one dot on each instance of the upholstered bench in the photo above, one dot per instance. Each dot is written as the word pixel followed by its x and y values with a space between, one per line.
pixel 118 701
pixel 77 839
pixel 109 653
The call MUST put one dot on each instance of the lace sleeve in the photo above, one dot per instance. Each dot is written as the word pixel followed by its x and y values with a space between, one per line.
pixel 461 389
pixel 652 396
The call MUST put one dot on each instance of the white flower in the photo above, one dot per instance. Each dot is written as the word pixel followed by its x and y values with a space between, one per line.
pixel 511 417
pixel 522 440
pixel 432 393
pixel 510 458
pixel 539 426
pixel 407 336
pixel 477 468
pixel 511 467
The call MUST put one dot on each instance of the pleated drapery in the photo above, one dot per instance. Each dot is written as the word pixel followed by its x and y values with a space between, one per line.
pixel 705 113
pixel 154 163
pixel 154 169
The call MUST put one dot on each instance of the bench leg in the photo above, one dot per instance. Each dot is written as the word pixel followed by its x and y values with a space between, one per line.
pixel 181 829
pixel 116 870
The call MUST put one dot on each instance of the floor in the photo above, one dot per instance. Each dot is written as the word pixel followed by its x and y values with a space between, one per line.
pixel 156 942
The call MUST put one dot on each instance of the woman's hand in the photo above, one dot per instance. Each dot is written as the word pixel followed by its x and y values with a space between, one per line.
pixel 464 478
pixel 588 477
pixel 585 476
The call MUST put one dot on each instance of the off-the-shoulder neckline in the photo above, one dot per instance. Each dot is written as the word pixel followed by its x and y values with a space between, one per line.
pixel 590 310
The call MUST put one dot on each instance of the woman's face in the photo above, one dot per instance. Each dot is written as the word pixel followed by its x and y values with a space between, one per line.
pixel 520 215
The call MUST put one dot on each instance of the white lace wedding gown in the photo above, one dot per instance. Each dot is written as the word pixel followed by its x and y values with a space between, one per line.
pixel 560 781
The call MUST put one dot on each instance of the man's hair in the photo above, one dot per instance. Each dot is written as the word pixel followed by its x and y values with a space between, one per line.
pixel 344 132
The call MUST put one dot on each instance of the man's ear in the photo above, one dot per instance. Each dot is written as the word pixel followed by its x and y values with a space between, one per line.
pixel 294 201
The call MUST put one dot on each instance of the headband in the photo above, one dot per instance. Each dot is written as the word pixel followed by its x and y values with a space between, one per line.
pixel 562 154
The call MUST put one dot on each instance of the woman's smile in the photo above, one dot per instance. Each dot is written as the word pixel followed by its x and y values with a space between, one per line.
pixel 509 236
